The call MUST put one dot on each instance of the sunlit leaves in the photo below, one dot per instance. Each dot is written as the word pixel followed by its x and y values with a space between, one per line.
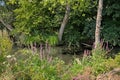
pixel 45 16
pixel 12 1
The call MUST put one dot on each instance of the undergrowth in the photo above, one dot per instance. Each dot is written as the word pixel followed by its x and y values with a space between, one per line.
pixel 28 65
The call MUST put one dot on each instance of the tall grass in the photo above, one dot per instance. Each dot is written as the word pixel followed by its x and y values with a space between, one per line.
pixel 38 64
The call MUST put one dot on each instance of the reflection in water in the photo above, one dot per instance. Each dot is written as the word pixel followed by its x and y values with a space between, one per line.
pixel 52 51
pixel 57 52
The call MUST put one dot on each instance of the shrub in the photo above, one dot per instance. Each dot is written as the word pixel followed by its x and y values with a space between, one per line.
pixel 98 60
pixel 5 48
pixel 33 67
pixel 95 63
pixel 2 66
pixel 5 44
pixel 113 63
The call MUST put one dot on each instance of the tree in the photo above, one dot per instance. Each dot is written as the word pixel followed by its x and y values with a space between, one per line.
pixel 6 16
pixel 37 21
pixel 98 23
pixel 65 20
pixel 110 31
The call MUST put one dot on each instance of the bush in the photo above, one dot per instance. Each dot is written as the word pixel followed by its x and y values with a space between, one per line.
pixel 26 65
pixel 33 67
pixel 98 60
pixel 5 48
pixel 95 63
pixel 113 63
pixel 5 44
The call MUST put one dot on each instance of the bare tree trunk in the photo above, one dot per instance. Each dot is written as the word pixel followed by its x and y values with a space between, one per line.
pixel 65 20
pixel 98 23
pixel 9 27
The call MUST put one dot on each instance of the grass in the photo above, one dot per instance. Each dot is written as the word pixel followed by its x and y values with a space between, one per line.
pixel 28 64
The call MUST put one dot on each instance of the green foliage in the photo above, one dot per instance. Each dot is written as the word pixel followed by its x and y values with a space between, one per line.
pixel 77 67
pixel 110 29
pixel 72 38
pixel 5 44
pixel 74 30
pixel 6 14
pixel 52 40
pixel 113 63
pixel 117 59
pixel 96 62
pixel 89 28
pixel 111 25
pixel 2 65
pixel 33 67
pixel 40 20
pixel 111 33
pixel 26 65
pixel 5 49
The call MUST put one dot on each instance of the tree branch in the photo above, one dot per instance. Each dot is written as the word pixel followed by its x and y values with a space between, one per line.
pixel 9 27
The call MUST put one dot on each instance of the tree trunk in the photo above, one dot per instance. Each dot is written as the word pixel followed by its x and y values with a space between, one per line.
pixel 98 23
pixel 65 20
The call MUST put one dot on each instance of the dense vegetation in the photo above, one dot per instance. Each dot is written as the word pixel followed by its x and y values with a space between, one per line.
pixel 28 27
pixel 39 21
pixel 28 64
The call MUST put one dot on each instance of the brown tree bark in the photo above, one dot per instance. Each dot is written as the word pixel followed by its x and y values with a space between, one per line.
pixel 9 27
pixel 98 23
pixel 65 20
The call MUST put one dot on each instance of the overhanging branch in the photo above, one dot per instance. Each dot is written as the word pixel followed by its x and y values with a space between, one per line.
pixel 9 27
